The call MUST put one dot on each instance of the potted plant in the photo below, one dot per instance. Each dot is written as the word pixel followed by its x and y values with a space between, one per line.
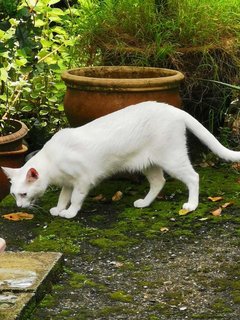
pixel 96 91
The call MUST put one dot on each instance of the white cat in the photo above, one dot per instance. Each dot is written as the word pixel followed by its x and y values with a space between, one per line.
pixel 149 137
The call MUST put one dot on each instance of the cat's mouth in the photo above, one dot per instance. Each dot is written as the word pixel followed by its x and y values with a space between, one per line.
pixel 25 204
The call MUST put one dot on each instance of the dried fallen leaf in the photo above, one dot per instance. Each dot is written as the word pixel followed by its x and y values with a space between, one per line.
pixel 207 163
pixel 99 197
pixel 227 204
pixel 236 166
pixel 183 212
pixel 17 216
pixel 117 196
pixel 164 229
pixel 119 264
pixel 217 212
pixel 203 219
pixel 215 199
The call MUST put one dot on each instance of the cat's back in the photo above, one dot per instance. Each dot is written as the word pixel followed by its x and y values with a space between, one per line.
pixel 135 118
pixel 137 114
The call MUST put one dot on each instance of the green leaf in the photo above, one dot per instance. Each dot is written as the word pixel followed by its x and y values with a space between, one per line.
pixel 39 23
pixel 231 86
pixel 2 33
pixel 44 124
pixel 56 12
pixel 3 97
pixel 5 54
pixel 46 43
pixel 21 62
pixel 59 30
pixel 3 74
pixel 27 108
pixel 43 112
pixel 14 22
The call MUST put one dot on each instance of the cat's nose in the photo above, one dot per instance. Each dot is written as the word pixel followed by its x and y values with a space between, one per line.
pixel 19 204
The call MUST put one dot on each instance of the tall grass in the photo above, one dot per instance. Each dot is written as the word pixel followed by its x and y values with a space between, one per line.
pixel 142 24
pixel 160 33
pixel 200 22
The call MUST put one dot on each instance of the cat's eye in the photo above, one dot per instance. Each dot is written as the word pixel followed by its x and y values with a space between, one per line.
pixel 23 195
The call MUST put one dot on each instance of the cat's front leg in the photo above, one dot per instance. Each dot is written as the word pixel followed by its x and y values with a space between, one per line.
pixel 63 201
pixel 78 195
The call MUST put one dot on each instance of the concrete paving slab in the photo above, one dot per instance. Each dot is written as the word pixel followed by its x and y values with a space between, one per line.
pixel 25 277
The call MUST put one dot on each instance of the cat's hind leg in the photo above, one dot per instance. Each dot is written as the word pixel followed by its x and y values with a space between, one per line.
pixel 156 180
pixel 63 201
pixel 185 173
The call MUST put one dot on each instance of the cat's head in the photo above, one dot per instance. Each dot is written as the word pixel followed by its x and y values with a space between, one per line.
pixel 26 185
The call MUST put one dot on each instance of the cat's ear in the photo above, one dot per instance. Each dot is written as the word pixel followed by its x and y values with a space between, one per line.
pixel 32 175
pixel 9 172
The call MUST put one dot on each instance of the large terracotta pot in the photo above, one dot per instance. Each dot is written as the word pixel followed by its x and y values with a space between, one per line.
pixel 12 152
pixel 93 92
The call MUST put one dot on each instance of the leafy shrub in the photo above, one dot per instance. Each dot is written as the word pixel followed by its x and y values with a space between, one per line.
pixel 35 47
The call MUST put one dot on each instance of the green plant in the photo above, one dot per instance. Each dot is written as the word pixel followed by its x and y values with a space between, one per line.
pixel 200 38
pixel 35 47
pixel 151 30
pixel 228 85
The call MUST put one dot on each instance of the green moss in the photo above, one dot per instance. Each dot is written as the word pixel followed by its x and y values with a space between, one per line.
pixel 236 296
pixel 220 306
pixel 174 297
pixel 204 315
pixel 52 243
pixel 121 296
pixel 48 301
pixel 65 313
pixel 114 310
pixel 107 244
pixel 79 280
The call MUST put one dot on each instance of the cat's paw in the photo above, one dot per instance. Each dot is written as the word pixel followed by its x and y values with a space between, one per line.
pixel 68 213
pixel 140 203
pixel 189 206
pixel 54 211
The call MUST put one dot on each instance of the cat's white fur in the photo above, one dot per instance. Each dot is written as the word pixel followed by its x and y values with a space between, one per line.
pixel 149 137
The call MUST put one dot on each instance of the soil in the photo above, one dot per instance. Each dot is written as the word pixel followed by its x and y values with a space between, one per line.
pixel 152 263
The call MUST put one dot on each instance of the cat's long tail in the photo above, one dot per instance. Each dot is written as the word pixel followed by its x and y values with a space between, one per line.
pixel 209 140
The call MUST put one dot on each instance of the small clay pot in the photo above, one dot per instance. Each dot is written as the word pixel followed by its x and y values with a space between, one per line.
pixel 12 152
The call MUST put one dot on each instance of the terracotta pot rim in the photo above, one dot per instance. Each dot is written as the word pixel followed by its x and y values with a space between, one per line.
pixel 23 149
pixel 19 134
pixel 139 78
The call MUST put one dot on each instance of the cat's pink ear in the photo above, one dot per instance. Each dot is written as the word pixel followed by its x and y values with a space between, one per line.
pixel 32 175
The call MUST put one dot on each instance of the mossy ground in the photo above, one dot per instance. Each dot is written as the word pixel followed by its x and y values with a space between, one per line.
pixel 127 263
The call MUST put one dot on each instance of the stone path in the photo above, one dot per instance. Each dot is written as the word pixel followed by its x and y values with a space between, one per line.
pixel 25 277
